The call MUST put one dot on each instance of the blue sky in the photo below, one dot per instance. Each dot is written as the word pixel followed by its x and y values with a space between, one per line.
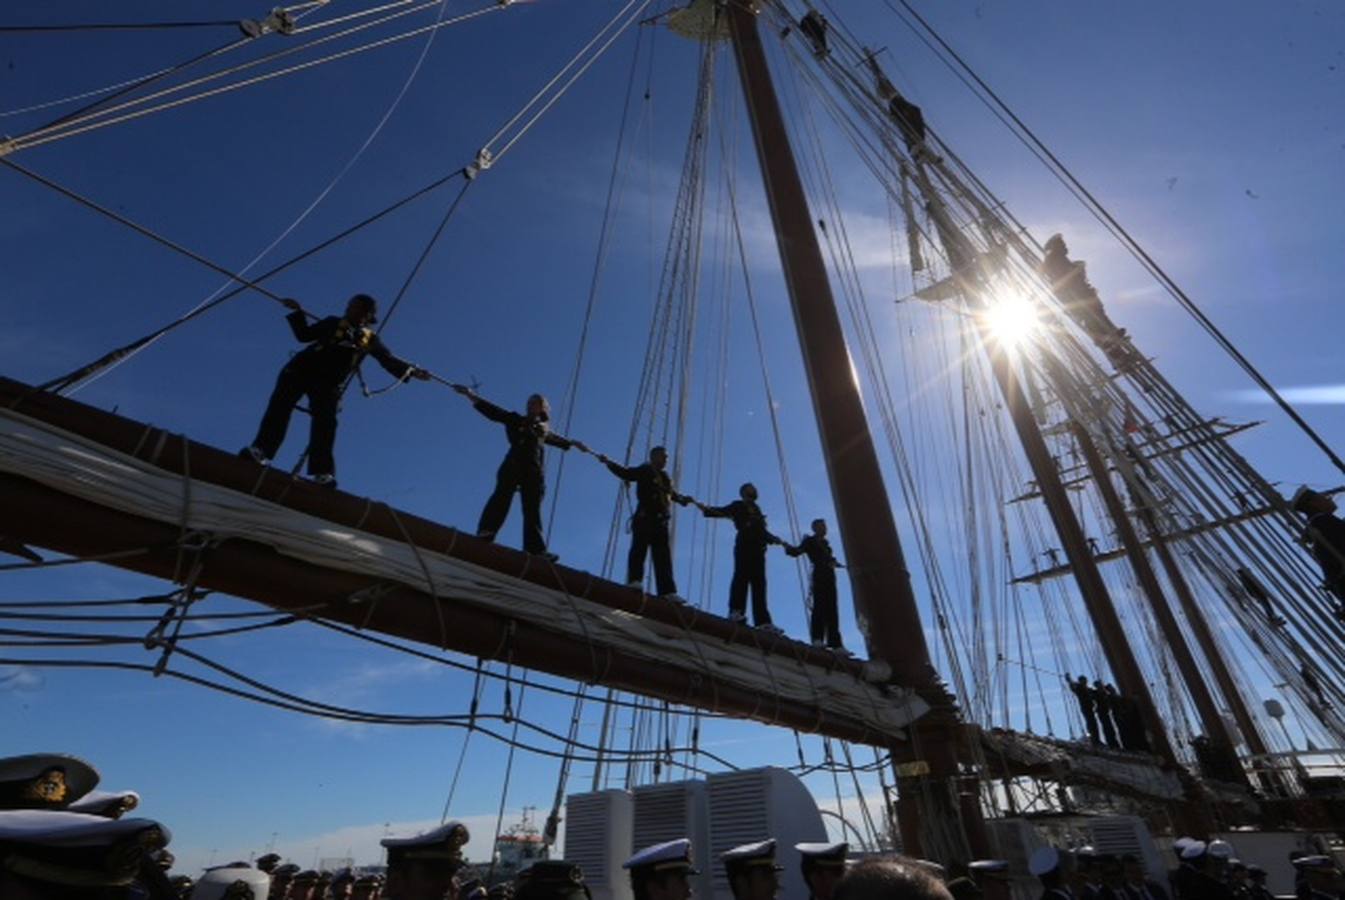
pixel 1213 131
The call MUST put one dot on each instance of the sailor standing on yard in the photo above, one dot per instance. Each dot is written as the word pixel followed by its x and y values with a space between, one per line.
pixel 336 347
pixel 749 556
pixel 825 626
pixel 654 496
pixel 1087 707
pixel 523 471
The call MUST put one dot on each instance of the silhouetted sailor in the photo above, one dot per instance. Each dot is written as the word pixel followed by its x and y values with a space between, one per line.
pixel 44 781
pixel 992 877
pixel 822 865
pixel 1324 534
pixel 752 871
pixel 552 879
pixel 336 347
pixel 48 854
pixel 1087 706
pixel 813 26
pixel 1138 885
pixel 749 556
pixel 662 872
pixel 1105 710
pixel 523 471
pixel 425 867
pixel 825 626
pixel 1256 884
pixel 1052 867
pixel 654 497
pixel 232 883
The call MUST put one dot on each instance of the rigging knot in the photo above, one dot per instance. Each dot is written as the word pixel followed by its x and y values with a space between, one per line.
pixel 7 146
pixel 484 158
pixel 280 21
pixel 196 541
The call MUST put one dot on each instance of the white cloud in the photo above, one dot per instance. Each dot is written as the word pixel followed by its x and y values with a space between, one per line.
pixel 20 678
pixel 1309 395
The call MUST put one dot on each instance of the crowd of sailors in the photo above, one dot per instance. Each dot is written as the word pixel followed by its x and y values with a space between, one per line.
pixel 336 345
pixel 60 839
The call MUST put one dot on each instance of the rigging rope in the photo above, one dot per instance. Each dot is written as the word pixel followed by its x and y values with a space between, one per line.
pixel 317 200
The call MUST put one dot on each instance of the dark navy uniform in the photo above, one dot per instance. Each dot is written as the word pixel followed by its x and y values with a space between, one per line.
pixel 335 348
pixel 825 625
pixel 1105 711
pixel 749 558
pixel 1325 534
pixel 654 496
pixel 1087 707
pixel 523 472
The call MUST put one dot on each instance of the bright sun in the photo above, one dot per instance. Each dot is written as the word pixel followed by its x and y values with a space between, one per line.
pixel 1011 318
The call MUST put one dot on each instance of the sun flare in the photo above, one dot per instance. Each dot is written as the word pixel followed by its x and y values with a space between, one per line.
pixel 1011 318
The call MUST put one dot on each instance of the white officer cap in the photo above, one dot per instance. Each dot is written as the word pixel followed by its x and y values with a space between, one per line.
pixel 1194 850
pixel 76 849
pixel 1315 863
pixel 1219 849
pixel 749 856
pixel 1182 842
pixel 232 883
pixel 44 780
pixel 1043 861
pixel 989 867
pixel 443 843
pixel 665 857
pixel 108 804
pixel 823 854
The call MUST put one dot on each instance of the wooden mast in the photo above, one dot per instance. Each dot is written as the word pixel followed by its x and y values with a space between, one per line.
pixel 962 260
pixel 1215 726
pixel 932 798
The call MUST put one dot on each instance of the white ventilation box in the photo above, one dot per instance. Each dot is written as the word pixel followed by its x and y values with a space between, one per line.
pixel 1119 835
pixel 755 804
pixel 598 829
pixel 679 809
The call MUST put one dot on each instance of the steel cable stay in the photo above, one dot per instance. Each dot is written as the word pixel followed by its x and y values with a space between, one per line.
pixel 121 88
pixel 1299 560
pixel 138 107
pixel 318 199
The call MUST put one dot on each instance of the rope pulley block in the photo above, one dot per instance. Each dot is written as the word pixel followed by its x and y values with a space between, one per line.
pixel 280 21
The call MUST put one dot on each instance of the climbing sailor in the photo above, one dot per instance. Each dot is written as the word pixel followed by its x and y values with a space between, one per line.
pixel 752 871
pixel 1324 534
pixel 654 496
pixel 749 556
pixel 524 468
pixel 822 866
pixel 825 626
pixel 336 347
pixel 662 872
pixel 1087 707
pixel 813 26
pixel 425 867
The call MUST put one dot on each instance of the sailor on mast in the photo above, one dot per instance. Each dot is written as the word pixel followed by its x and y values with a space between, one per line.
pixel 749 556
pixel 824 626
pixel 654 496
pixel 1325 536
pixel 336 347
pixel 524 468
